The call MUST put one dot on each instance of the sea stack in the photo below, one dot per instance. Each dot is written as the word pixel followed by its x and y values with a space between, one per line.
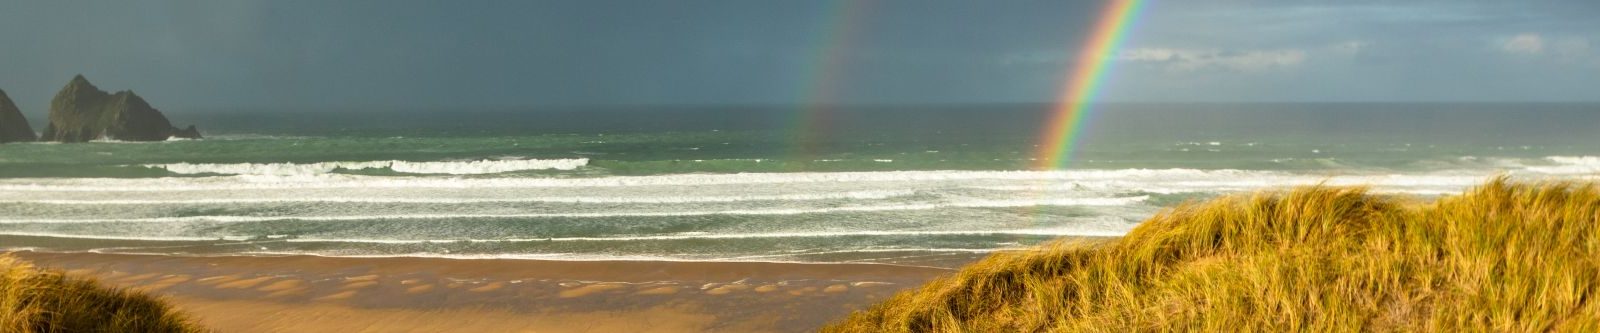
pixel 81 112
pixel 13 127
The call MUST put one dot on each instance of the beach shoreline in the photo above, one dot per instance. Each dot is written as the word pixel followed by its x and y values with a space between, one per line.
pixel 316 293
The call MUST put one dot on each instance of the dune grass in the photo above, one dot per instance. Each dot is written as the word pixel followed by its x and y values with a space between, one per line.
pixel 35 300
pixel 1501 257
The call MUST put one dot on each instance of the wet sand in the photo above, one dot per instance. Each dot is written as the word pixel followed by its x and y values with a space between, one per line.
pixel 310 293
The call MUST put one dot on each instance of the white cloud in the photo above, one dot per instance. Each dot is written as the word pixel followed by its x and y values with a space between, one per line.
pixel 1193 59
pixel 1351 48
pixel 1524 44
pixel 1566 50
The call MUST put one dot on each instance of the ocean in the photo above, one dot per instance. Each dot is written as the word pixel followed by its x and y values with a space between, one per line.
pixel 914 185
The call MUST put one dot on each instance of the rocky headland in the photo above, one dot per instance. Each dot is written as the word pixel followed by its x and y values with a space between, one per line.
pixel 13 126
pixel 82 112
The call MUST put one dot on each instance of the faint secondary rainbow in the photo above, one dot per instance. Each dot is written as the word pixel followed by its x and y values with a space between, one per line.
pixel 1082 85
pixel 824 69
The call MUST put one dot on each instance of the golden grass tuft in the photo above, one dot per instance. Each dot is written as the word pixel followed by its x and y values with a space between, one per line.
pixel 1500 257
pixel 34 300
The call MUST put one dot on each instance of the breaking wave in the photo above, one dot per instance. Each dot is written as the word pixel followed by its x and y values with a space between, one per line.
pixel 317 176
pixel 1566 165
pixel 1084 232
pixel 315 209
pixel 852 195
pixel 334 181
pixel 302 169
pixel 1117 201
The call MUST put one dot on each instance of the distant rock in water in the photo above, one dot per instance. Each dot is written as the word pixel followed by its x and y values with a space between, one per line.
pixel 13 127
pixel 187 133
pixel 81 112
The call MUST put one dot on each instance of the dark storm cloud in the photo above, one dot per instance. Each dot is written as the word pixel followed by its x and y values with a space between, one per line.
pixel 235 55
pixel 419 54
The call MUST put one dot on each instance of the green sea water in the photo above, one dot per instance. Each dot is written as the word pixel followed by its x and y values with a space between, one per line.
pixel 899 184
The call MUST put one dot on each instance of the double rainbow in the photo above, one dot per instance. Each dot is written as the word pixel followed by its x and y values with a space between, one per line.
pixel 1060 137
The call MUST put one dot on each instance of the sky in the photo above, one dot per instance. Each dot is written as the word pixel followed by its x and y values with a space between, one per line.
pixel 227 56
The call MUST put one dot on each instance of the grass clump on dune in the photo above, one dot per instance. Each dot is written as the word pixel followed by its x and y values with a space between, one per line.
pixel 1500 257
pixel 34 300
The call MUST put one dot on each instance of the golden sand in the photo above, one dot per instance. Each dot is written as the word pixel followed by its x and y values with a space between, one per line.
pixel 323 294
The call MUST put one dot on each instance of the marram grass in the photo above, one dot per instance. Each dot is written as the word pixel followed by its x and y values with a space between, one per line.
pixel 1501 257
pixel 34 300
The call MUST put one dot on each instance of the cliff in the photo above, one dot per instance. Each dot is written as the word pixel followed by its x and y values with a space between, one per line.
pixel 13 127
pixel 82 112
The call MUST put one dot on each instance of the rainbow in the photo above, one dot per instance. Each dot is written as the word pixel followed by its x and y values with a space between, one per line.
pixel 1082 86
pixel 825 73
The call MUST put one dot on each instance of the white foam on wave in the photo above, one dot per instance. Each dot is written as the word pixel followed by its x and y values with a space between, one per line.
pixel 319 168
pixel 1058 232
pixel 129 238
pixel 115 141
pixel 1391 183
pixel 1119 201
pixel 734 194
pixel 1567 165
pixel 1226 179
pixel 852 195
pixel 255 136
pixel 323 181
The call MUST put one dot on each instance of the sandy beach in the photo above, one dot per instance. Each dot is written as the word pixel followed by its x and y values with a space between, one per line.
pixel 326 294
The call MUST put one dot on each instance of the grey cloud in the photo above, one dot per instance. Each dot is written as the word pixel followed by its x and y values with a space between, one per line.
pixel 206 56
